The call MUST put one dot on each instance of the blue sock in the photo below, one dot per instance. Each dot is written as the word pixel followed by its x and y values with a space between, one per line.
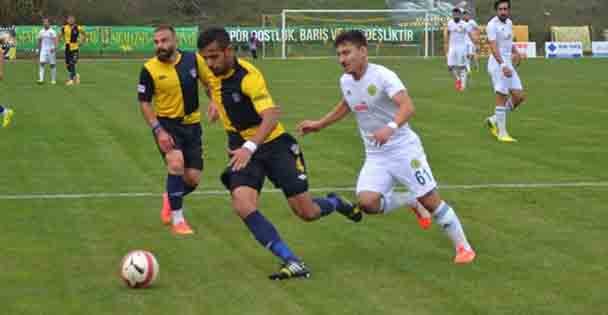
pixel 265 233
pixel 1 109
pixel 327 205
pixel 175 190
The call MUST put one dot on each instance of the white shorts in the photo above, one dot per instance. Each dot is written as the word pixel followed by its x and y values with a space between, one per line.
pixel 502 84
pixel 457 56
pixel 46 56
pixel 407 166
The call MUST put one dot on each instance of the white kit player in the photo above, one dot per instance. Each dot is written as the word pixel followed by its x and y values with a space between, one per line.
pixel 455 43
pixel 47 45
pixel 472 45
pixel 506 82
pixel 394 152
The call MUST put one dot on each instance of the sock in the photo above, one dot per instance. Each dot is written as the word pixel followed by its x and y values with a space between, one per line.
pixel 501 120
pixel 447 219
pixel 463 78
pixel 72 71
pixel 41 72
pixel 177 216
pixel 327 205
pixel 175 190
pixel 392 201
pixel 1 110
pixel 53 73
pixel 266 234
pixel 509 104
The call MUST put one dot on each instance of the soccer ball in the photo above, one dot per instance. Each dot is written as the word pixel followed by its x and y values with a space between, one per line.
pixel 139 269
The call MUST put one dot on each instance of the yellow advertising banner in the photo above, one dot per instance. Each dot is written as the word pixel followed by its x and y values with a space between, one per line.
pixel 572 34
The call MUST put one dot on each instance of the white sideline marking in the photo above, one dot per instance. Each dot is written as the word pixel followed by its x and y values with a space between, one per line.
pixel 320 189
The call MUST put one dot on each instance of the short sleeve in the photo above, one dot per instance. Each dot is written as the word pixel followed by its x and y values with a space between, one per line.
pixel 491 32
pixel 80 28
pixel 254 86
pixel 145 88
pixel 391 84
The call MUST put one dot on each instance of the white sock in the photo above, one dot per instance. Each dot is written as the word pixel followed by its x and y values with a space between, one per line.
pixel 501 120
pixel 392 201
pixel 464 76
pixel 177 216
pixel 41 72
pixel 447 219
pixel 53 73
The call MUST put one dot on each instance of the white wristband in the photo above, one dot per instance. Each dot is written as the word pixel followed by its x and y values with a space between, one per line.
pixel 250 145
pixel 393 125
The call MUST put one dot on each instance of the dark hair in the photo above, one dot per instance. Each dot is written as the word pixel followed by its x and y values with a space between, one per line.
pixel 498 2
pixel 456 10
pixel 213 34
pixel 355 37
pixel 165 27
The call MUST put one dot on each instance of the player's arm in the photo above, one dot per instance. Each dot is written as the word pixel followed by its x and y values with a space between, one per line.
pixel 446 41
pixel 204 77
pixel 1 64
pixel 338 113
pixel 496 53
pixel 255 88
pixel 394 88
pixel 516 59
pixel 56 40
pixel 145 92
pixel 83 33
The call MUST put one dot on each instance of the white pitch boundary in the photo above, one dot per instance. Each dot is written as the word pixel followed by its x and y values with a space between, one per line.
pixel 43 196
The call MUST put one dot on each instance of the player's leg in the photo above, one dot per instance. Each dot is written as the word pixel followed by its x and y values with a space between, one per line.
pixel 417 175
pixel 75 57
pixel 517 92
pixel 175 192
pixel 245 186
pixel 44 59
pixel 498 122
pixel 286 168
pixel 53 66
pixel 446 218
pixel 69 66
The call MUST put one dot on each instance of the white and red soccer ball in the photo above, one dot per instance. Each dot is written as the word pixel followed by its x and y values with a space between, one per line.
pixel 139 269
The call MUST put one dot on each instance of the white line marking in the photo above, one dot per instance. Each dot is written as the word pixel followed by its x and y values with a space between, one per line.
pixel 42 196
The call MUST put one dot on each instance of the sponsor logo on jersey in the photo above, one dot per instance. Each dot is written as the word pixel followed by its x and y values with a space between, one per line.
pixel 236 97
pixel 372 90
pixel 361 107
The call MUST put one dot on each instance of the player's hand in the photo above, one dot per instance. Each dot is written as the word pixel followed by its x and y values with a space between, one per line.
pixel 212 112
pixel 164 140
pixel 239 158
pixel 52 50
pixel 381 136
pixel 307 126
pixel 516 59
pixel 507 71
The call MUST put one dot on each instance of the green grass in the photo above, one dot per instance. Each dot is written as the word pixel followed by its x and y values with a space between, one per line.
pixel 540 250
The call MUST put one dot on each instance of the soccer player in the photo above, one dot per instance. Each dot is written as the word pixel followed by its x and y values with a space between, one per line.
pixel 472 45
pixel 47 46
pixel 5 113
pixel 259 147
pixel 171 80
pixel 506 82
pixel 73 35
pixel 456 50
pixel 394 152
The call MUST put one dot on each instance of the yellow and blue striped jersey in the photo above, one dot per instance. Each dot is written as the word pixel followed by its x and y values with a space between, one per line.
pixel 71 35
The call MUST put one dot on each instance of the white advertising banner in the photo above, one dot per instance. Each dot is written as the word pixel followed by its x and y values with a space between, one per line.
pixel 527 49
pixel 600 49
pixel 563 49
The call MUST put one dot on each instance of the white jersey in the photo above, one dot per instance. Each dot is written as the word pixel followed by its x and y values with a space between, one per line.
pixel 459 32
pixel 48 39
pixel 472 27
pixel 370 99
pixel 502 33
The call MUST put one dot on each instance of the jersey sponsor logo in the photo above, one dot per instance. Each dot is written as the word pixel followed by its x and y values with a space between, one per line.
pixel 372 90
pixel 194 73
pixel 361 107
pixel 141 88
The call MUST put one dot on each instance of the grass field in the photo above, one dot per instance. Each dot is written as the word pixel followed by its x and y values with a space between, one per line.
pixel 541 250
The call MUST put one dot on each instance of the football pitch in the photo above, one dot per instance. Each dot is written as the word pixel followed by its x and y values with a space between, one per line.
pixel 80 185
